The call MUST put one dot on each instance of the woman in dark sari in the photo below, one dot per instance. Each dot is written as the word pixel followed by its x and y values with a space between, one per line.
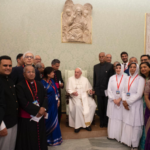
pixel 145 140
pixel 147 115
pixel 52 126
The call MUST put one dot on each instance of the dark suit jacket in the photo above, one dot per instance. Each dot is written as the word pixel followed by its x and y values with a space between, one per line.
pixel 25 98
pixel 102 73
pixel 2 101
pixel 17 75
pixel 9 102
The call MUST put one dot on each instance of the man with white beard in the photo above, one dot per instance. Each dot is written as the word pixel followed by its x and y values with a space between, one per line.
pixel 81 105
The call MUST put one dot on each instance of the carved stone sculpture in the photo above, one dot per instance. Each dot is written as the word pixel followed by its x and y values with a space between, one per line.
pixel 76 22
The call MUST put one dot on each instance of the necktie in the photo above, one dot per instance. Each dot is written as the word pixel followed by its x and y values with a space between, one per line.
pixel 124 66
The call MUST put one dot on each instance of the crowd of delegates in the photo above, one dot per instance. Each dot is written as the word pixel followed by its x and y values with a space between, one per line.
pixel 30 101
pixel 128 107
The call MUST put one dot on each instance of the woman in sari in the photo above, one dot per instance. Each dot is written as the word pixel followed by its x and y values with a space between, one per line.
pixel 145 140
pixel 52 126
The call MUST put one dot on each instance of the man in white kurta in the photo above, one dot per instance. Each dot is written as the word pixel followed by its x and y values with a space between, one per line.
pixel 81 105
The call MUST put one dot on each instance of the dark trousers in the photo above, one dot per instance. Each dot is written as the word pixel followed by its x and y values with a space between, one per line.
pixel 102 109
pixel 59 108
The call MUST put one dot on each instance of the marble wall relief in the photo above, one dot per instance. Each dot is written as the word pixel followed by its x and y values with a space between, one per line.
pixel 76 22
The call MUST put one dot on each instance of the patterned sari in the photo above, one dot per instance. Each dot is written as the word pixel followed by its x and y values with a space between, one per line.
pixel 147 118
pixel 52 126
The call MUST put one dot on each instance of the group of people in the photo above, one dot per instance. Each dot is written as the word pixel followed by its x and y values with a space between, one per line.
pixel 128 105
pixel 30 101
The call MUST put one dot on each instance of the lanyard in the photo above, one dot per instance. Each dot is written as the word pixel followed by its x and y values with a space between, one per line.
pixel 131 82
pixel 118 85
pixel 31 90
pixel 52 85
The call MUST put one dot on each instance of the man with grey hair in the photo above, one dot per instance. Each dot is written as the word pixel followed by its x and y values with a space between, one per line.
pixel 58 81
pixel 108 58
pixel 33 105
pixel 17 72
pixel 81 104
pixel 37 59
pixel 40 67
pixel 131 60
pixel 102 72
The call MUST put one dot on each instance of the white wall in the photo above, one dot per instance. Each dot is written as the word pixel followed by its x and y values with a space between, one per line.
pixel 35 25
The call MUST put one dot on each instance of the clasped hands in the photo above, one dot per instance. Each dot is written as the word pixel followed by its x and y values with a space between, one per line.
pixel 117 101
pixel 42 112
pixel 126 106
pixel 91 92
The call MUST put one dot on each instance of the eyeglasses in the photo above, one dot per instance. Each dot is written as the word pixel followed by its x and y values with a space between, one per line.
pixel 31 57
pixel 38 59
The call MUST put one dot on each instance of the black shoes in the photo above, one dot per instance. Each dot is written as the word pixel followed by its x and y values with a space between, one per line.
pixel 88 128
pixel 76 130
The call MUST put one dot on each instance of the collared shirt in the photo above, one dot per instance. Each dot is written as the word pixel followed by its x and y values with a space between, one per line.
pixel 125 65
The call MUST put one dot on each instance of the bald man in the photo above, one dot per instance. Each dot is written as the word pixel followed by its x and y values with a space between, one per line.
pixel 102 72
pixel 37 59
pixel 81 105
pixel 108 58
pixel 17 72
pixel 131 60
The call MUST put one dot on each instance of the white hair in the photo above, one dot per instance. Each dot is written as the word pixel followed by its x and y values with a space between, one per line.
pixel 27 53
pixel 24 69
pixel 79 69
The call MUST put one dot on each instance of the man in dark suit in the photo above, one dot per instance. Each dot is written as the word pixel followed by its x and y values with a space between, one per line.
pixel 102 73
pixel 58 81
pixel 8 128
pixel 17 72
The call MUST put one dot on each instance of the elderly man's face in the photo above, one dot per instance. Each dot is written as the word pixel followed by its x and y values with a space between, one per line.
pixel 77 73
pixel 133 60
pixel 37 59
pixel 29 73
pixel 114 65
pixel 102 57
pixel 29 59
pixel 108 58
pixel 56 66
pixel 41 70
pixel 5 67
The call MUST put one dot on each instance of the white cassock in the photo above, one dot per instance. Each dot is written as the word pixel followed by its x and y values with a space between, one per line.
pixel 133 118
pixel 81 107
pixel 114 112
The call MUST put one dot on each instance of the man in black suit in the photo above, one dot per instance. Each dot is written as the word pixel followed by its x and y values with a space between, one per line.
pixel 58 81
pixel 8 128
pixel 102 73
pixel 17 72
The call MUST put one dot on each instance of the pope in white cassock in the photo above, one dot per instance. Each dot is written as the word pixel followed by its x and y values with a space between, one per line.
pixel 133 108
pixel 81 105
